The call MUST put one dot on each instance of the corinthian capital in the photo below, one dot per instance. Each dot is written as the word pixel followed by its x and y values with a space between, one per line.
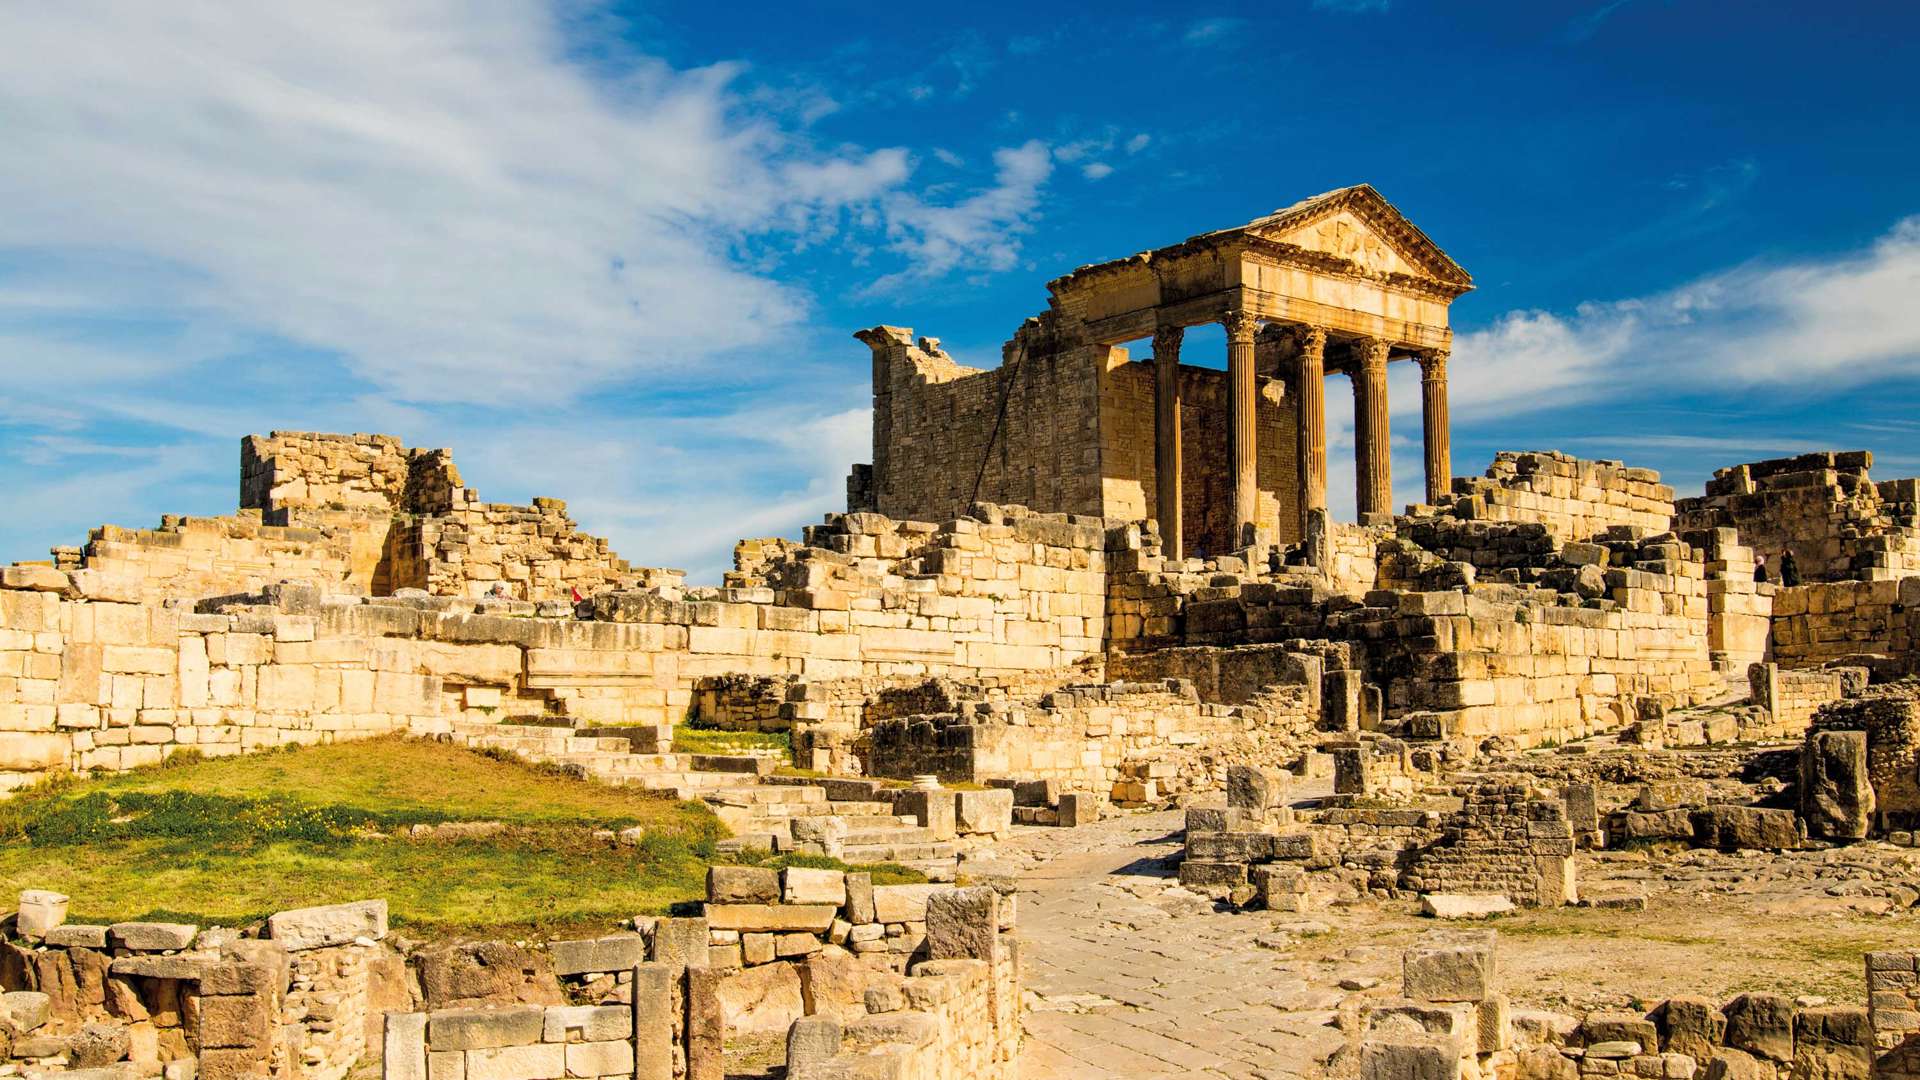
pixel 1167 339
pixel 1240 324
pixel 1433 364
pixel 1371 352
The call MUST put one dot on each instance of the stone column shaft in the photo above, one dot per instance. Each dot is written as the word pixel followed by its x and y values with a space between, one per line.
pixel 1166 441
pixel 1373 457
pixel 1311 377
pixel 1242 413
pixel 1433 423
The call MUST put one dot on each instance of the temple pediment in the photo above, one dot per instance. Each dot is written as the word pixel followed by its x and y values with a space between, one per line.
pixel 1358 226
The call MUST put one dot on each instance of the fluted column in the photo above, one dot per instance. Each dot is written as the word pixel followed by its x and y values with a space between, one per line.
pixel 1373 456
pixel 1310 376
pixel 1166 440
pixel 1433 422
pixel 1241 413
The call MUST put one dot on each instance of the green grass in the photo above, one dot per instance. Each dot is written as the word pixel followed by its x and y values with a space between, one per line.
pixel 228 841
pixel 688 739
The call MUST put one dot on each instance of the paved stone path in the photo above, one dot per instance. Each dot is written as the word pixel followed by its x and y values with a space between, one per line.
pixel 1129 975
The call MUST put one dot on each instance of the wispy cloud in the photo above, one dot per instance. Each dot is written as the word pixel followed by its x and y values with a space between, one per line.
pixel 1208 31
pixel 1837 322
pixel 982 231
pixel 1582 27
pixel 1353 7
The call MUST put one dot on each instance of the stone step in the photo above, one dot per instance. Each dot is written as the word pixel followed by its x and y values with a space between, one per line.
pixel 904 854
pixel 734 793
pixel 898 834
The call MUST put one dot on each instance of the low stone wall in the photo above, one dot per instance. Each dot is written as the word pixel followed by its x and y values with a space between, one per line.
pixel 1819 623
pixel 194 556
pixel 1889 715
pixel 1506 839
pixel 1139 743
pixel 472 548
pixel 1792 696
pixel 1452 1020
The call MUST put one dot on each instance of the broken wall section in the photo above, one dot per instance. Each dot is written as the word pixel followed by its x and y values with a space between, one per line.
pixel 1824 507
pixel 1575 498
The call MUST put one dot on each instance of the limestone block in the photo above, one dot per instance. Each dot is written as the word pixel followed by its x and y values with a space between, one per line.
pixel 1410 1058
pixel 480 1028
pixel 743 885
pixel 1255 789
pixel 762 1000
pixel 988 813
pixel 40 911
pixel 859 904
pixel 1465 905
pixel 653 1022
pixel 1621 1027
pixel 812 1042
pixel 1733 828
pixel 1761 1025
pixel 963 924
pixel 1447 968
pixel 26 1009
pixel 781 918
pixel 77 935
pixel 595 1059
pixel 705 1031
pixel 1836 793
pixel 541 1061
pixel 1078 808
pixel 935 810
pixel 678 942
pixel 902 903
pixel 800 885
pixel 332 924
pixel 1833 1043
pixel 617 952
pixel 833 982
pixel 152 936
pixel 405 1039
pixel 1689 1025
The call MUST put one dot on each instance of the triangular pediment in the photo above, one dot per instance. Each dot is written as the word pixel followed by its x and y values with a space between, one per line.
pixel 1358 226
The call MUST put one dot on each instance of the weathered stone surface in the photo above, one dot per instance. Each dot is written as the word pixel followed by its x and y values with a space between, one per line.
pixel 1410 1058
pixel 1734 828
pixel 333 924
pixel 762 1000
pixel 587 1023
pixel 1078 808
pixel 800 885
pixel 40 911
pixel 988 813
pixel 152 936
pixel 541 1061
pixel 681 941
pixel 595 1059
pixel 743 885
pixel 405 1046
pixel 1690 1025
pixel 1439 968
pixel 78 935
pixel 963 924
pixel 1836 790
pixel 1832 1042
pixel 833 982
pixel 492 971
pixel 26 1009
pixel 1464 906
pixel 771 918
pixel 1620 1027
pixel 811 1042
pixel 1252 788
pixel 902 903
pixel 617 952
pixel 477 1028
pixel 1761 1025
pixel 99 1044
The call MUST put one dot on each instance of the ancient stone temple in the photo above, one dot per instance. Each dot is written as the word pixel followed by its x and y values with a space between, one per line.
pixel 1070 423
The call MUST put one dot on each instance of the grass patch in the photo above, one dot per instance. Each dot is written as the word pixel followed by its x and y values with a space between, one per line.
pixel 229 841
pixel 688 739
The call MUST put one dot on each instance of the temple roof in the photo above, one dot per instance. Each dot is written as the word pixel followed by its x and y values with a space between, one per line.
pixel 1353 223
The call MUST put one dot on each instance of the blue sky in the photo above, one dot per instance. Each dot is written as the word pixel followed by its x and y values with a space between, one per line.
pixel 614 253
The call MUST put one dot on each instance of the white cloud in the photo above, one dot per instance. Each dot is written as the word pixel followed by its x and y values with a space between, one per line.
pixel 1138 143
pixel 1207 31
pixel 440 193
pixel 1834 322
pixel 980 232
pixel 1096 170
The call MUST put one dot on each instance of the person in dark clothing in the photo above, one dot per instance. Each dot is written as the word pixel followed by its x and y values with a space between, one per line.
pixel 1760 570
pixel 1789 570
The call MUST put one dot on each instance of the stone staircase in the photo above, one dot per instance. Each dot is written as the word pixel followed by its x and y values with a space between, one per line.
pixel 847 819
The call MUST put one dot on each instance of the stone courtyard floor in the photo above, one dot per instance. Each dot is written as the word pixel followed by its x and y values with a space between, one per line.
pixel 1128 975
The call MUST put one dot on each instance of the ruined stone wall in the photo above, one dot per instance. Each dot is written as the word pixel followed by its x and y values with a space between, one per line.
pixel 302 470
pixel 342 551
pixel 1131 485
pixel 1504 839
pixel 1824 507
pixel 535 552
pixel 92 679
pixel 1134 742
pixel 1818 623
pixel 1890 715
pixel 934 427
pixel 1573 497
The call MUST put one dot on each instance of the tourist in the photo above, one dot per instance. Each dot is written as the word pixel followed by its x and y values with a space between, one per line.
pixel 1760 570
pixel 1789 570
